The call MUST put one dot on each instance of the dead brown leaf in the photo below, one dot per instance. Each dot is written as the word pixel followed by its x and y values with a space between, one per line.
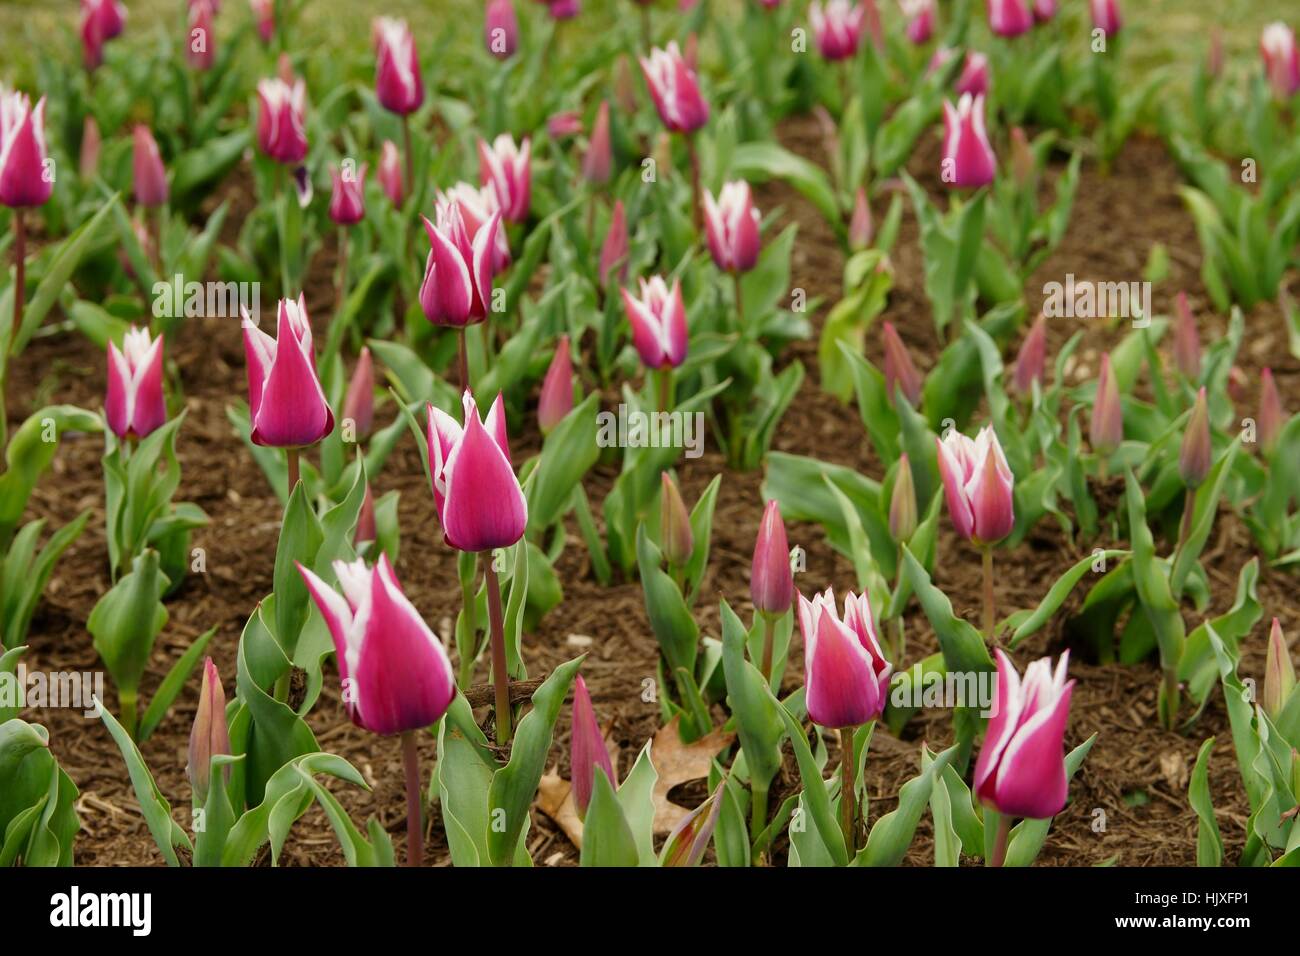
pixel 677 763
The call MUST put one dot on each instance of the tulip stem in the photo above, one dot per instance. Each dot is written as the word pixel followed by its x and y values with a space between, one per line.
pixel 500 679
pixel 410 157
pixel 848 795
pixel 740 301
pixel 696 212
pixel 20 269
pixel 414 823
pixel 291 459
pixel 768 628
pixel 988 594
pixel 343 271
pixel 126 702
pixel 462 361
pixel 1000 841
pixel 665 376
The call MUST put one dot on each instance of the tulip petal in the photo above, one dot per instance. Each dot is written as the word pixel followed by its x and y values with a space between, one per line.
pixel 1031 780
pixel 484 506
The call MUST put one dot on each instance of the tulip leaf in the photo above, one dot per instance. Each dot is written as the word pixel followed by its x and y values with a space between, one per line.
pixel 636 797
pixel 1209 842
pixel 965 820
pixel 301 537
pixel 514 611
pixel 568 453
pixel 892 835
pixel 874 405
pixel 1025 623
pixel 1205 508
pixel 871 580
pixel 607 839
pixel 1198 668
pixel 126 621
pixel 756 711
pixel 171 685
pixel 1028 836
pixel 701 533
pixel 24 572
pixel 9 702
pixel 670 618
pixel 767 160
pixel 947 844
pixel 30 452
pixel 464 776
pixel 38 816
pixel 963 647
pixel 1150 579
pixel 815 799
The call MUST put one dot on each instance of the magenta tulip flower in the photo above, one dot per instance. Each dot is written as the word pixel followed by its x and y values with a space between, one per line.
pixel 101 21
pixel 614 250
pixel 1106 16
pixel 731 222
pixel 200 47
pixel 359 402
pixel 920 20
pixel 974 76
pixel 26 179
pixel 506 168
pixel 150 178
pixel 1032 359
pixel 771 582
pixel 1009 18
pixel 675 90
pixel 1277 46
pixel 478 498
pixel 287 407
pixel 968 159
pixel 556 400
pixel 280 116
pixel 390 173
pixel 134 405
pixel 587 752
pixel 264 17
pixel 457 287
pixel 847 675
pixel 398 83
pixel 564 124
pixel 209 736
pixel 900 373
pixel 501 29
pixel 564 9
pixel 477 208
pixel 598 161
pixel 1021 767
pixel 978 485
pixel 348 197
pixel 658 321
pixel 1044 10
pixel 1279 673
pixel 837 27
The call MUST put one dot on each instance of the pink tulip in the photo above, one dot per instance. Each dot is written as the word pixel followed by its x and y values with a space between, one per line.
pixel 1106 429
pixel 88 162
pixel 200 48
pixel 501 29
pixel 348 198
pixel 675 90
pixel 1032 359
pixel 478 205
pixel 135 406
pixel 837 28
pixel 264 16
pixel 900 373
pixel 394 672
pixel 287 407
pixel 1279 673
pixel 1009 18
pixel 658 323
pixel 771 582
pixel 587 749
pixel 978 485
pixel 1187 344
pixel 25 178
pixel 847 676
pixel 770 4
pixel 1195 453
pixel 506 168
pixel 359 402
pixel 209 736
pixel 564 9
pixel 1277 46
pixel 390 173
pixel 920 23
pixel 365 529
pixel 861 229
pixel 614 250
pixel 556 400
pixel 478 498
pixel 941 57
pixel 1044 10
pixel 398 83
pixel 1271 416
pixel 731 222
pixel 147 166
pixel 1021 767
pixel 457 287
pixel 974 77
pixel 109 16
pixel 599 158
pixel 280 117
pixel 1105 16
pixel 564 124
pixel 968 158
pixel 92 44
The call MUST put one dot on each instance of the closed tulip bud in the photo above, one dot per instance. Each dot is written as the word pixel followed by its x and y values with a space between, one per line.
pixel 598 161
pixel 1238 385
pixel 394 671
pixel 457 287
pixel 264 16
pixel 941 57
pixel 686 844
pixel 1271 416
pixel 1009 18
pixel 135 406
pixel 25 179
pixel 365 530
pixel 614 250
pixel 506 168
pixel 902 504
pixel 398 83
pixel 109 15
pixel 674 524
pixel 1195 453
pixel 1021 767
pixel 846 674
pixel 731 223
pixel 348 196
pixel 280 116
pixel 1044 10
pixel 1214 55
pixel 675 90
pixel 479 502
pixel 501 29
pixel 1105 16
pixel 564 124
pixel 587 749
pixel 564 9
pixel 390 173
pixel 771 582
pixel 968 159
pixel 1032 359
pixel 861 228
pixel 359 403
pixel 1277 46
pixel 692 52
pixel 658 322
pixel 1023 167
pixel 978 486
pixel 556 400
pixel 974 77
pixel 900 373
pixel 210 736
pixel 1187 344
pixel 200 47
pixel 150 178
pixel 837 28
pixel 1279 673
pixel 88 164
pixel 625 86
pixel 477 205
pixel 920 23
pixel 1106 429
pixel 92 44
pixel 287 407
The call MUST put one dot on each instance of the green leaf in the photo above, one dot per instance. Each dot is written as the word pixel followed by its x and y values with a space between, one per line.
pixel 892 835
pixel 171 685
pixel 607 839
pixel 1209 843
pixel 815 798
pixel 1028 836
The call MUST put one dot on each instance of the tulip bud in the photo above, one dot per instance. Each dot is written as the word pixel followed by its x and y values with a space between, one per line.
pixel 731 225
pixel 359 403
pixel 150 178
pixel 348 196
pixel 563 9
pixel 674 524
pixel 1214 55
pixel 1105 16
pixel 1195 453
pixel 398 83
pixel 675 90
pixel 846 674
pixel 771 582
pixel 899 371
pixel 974 78
pixel 861 228
pixel 1277 46
pixel 507 169
pixel 1279 673
pixel 978 485
pixel 685 846
pixel 557 388
pixel 264 15
pixel 1271 416
pixel 614 250
pixel 837 28
pixel 596 164
pixel 390 172
pixel 1106 430
pixel 90 143
pixel 1187 346
pixel 658 322
pixel 135 406
pixel 200 49
pixel 563 124
pixel 280 117
pixel 920 24
pixel 365 530
pixel 25 179
pixel 209 736
pixel 902 504
pixel 1044 10
pixel 1032 359
pixel 1009 18
pixel 501 29
pixel 287 407
pixel 968 159
pixel 586 749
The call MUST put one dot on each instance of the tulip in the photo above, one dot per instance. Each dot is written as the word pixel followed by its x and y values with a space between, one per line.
pixel 941 57
pixel 564 9
pixel 1187 345
pixel 134 405
pixel 1214 55
pixel 505 167
pixel 861 229
pixel 974 78
pixel 837 28
pixel 365 531
pixel 770 4
pixel 396 677
pixel 147 166
pixel 26 179
pixel 88 162
pixel 564 124
pixel 674 89
pixel 614 250
pixel 771 582
pixel 588 753
pixel 1106 429
pixel 732 224
pixel 968 159
pixel 902 503
pixel 101 21
pixel 556 400
pixel 200 52
pixel 209 737
pixel 1277 46
pixel 1105 16
pixel 900 373
pixel 1044 10
pixel 92 44
pixel 264 16
pixel 398 83
pixel 501 29
pixel 1009 18
pixel 1032 359
pixel 597 162
pixel 390 173
pixel 478 204
pixel 687 842
pixel 1195 452
pixel 359 402
pixel 1021 767
pixel 674 524
pixel 658 321
pixel 1279 673
pixel 280 133
pixel 457 285
pixel 347 198
pixel 920 24
pixel 1271 417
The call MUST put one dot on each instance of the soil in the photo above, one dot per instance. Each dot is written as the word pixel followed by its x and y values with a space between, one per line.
pixel 1136 773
